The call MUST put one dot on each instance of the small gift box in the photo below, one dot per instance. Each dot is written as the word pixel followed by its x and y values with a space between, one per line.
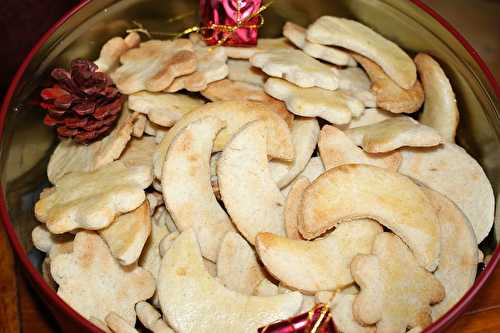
pixel 230 22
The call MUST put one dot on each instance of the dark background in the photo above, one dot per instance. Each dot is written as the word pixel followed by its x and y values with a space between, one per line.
pixel 22 23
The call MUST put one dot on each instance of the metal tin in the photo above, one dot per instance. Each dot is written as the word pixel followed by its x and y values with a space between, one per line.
pixel 26 144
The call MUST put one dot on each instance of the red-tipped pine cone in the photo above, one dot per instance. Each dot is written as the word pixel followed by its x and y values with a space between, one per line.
pixel 83 104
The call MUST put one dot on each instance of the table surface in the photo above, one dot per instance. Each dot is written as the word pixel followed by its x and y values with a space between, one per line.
pixel 22 311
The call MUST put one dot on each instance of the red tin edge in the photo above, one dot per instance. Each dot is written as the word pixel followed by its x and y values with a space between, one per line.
pixel 465 301
pixel 49 295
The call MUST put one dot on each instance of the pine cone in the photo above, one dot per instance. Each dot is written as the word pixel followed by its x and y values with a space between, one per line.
pixel 83 104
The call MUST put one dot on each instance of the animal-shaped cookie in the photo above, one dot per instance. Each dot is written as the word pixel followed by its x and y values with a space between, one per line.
pixel 243 71
pixel 336 107
pixel 92 200
pixel 70 156
pixel 396 293
pixel 263 44
pixel 93 283
pixel 296 67
pixel 210 66
pixel 109 57
pixel 127 235
pixel 297 35
pixel 394 133
pixel 154 65
pixel 163 109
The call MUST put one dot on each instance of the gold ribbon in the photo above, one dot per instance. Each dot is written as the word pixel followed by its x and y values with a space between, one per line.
pixel 228 29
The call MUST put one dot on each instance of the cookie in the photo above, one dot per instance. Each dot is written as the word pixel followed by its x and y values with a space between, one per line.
pixel 323 296
pixel 308 301
pixel 210 66
pixel 396 293
pixel 335 107
pixel 292 207
pixel 297 35
pixel 45 241
pixel 237 265
pixel 263 44
pixel 81 285
pixel 100 324
pixel 117 324
pixel 440 108
pixel 162 108
pixel 355 82
pixel 449 170
pixel 150 257
pixel 457 264
pixel 151 318
pixel 266 288
pixel 319 265
pixel 336 148
pixel 159 132
pixel 296 67
pixel 305 133
pixel 139 152
pixel 112 50
pixel 187 190
pixel 154 65
pixel 251 197
pixel 235 114
pixel 167 242
pixel 46 274
pixel 127 235
pixel 354 191
pixel 70 156
pixel 182 276
pixel 227 90
pixel 388 94
pixel 341 309
pixel 139 126
pixel 243 71
pixel 391 134
pixel 354 36
pixel 313 170
pixel 369 117
pixel 92 200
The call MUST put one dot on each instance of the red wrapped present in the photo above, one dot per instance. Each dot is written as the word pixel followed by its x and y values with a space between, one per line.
pixel 230 22
pixel 318 320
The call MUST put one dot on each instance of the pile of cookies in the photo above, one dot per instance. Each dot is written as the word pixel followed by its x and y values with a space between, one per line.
pixel 290 174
